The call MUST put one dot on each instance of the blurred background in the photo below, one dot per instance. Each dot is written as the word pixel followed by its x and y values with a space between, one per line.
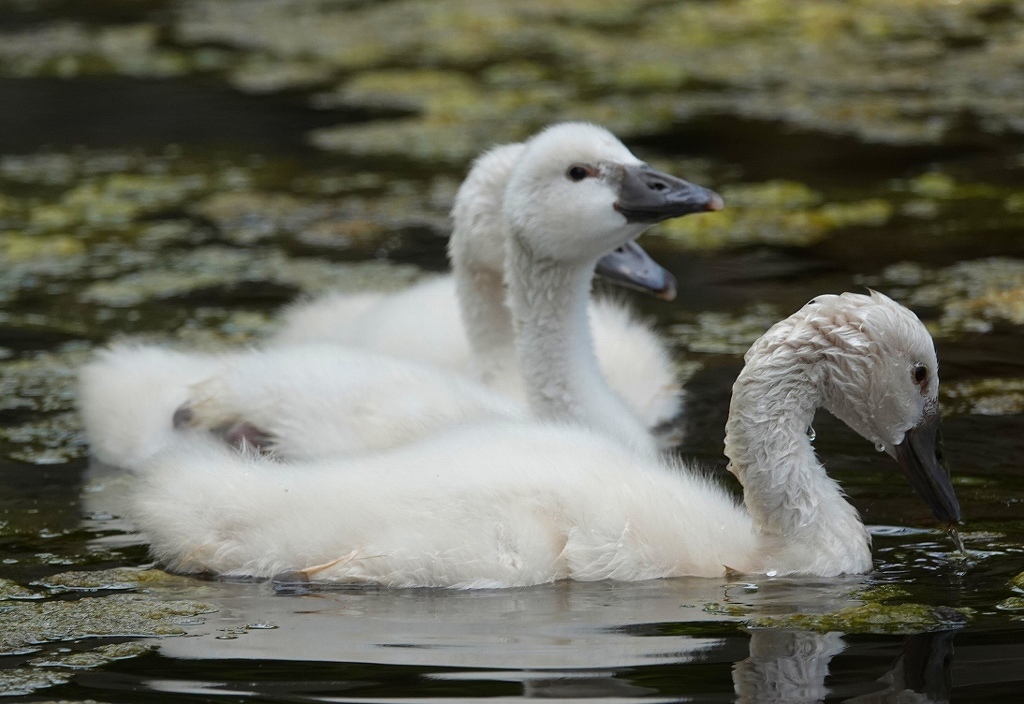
pixel 177 170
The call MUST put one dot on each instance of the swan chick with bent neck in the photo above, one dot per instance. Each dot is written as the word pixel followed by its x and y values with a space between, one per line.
pixel 511 504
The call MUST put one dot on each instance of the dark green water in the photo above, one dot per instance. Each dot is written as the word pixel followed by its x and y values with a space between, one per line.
pixel 86 160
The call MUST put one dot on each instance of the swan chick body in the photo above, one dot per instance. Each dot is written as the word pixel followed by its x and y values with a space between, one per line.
pixel 560 228
pixel 568 497
pixel 469 327
pixel 306 400
pixel 307 406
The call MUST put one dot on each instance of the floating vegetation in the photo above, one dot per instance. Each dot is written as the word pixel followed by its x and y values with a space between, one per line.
pixel 724 333
pixel 27 625
pixel 871 618
pixel 27 628
pixel 114 579
pixel 94 658
pixel 899 72
pixel 68 49
pixel 987 397
pixel 774 212
pixel 12 590
pixel 221 268
pixel 896 72
pixel 973 296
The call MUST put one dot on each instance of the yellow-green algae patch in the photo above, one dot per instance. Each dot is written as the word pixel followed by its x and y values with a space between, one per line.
pixel 30 624
pixel 987 397
pixel 724 333
pixel 59 667
pixel 899 72
pixel 871 617
pixel 973 296
pixel 245 217
pixel 1017 583
pixel 88 659
pixel 773 212
pixel 43 387
pixel 116 200
pixel 219 267
pixel 114 579
pixel 880 592
pixel 68 49
pixel 20 681
pixel 12 590
pixel 17 247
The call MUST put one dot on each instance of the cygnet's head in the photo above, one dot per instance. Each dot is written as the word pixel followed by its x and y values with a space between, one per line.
pixel 576 193
pixel 478 233
pixel 479 236
pixel 880 376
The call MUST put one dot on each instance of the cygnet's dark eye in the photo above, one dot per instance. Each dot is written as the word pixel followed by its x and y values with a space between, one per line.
pixel 921 374
pixel 577 173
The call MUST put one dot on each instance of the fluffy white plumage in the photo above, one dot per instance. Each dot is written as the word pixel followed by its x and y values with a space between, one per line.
pixel 461 322
pixel 404 368
pixel 514 504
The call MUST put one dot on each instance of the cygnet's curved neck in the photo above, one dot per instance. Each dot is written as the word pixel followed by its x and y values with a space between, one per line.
pixel 480 292
pixel 549 305
pixel 803 521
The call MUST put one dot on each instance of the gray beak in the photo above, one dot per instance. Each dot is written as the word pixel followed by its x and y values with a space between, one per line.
pixel 920 458
pixel 647 195
pixel 632 267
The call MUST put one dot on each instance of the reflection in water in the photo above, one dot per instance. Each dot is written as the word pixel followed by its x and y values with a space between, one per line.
pixel 786 666
pixel 789 666
pixel 564 641
pixel 922 673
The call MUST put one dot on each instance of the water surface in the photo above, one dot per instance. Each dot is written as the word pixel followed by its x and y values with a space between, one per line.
pixel 147 188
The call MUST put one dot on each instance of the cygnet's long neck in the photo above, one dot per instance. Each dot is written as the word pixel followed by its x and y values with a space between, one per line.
pixel 549 304
pixel 481 294
pixel 803 521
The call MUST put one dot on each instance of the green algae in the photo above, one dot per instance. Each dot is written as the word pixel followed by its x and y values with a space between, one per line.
pixel 15 682
pixel 114 579
pixel 53 439
pixel 16 247
pixel 901 72
pixel 774 212
pixel 68 49
pixel 987 397
pixel 724 333
pixel 42 383
pixel 879 593
pixel 217 267
pixel 905 72
pixel 30 624
pixel 98 657
pixel 972 295
pixel 28 630
pixel 1013 603
pixel 246 217
pixel 12 590
pixel 871 618
pixel 1017 583
pixel 734 610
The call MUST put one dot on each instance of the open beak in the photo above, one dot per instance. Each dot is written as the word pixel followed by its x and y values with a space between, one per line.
pixel 632 267
pixel 647 195
pixel 920 458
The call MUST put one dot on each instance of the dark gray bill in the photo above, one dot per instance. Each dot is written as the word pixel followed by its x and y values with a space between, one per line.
pixel 632 267
pixel 920 458
pixel 647 195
